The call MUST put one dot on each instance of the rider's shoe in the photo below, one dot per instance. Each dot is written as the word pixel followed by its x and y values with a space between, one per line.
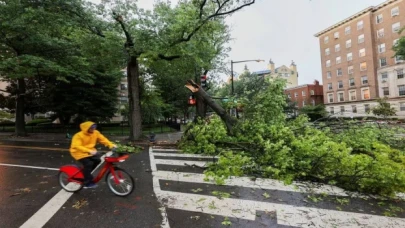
pixel 90 185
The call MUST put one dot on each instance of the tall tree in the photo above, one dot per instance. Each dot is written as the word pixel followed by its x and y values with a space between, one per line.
pixel 162 34
pixel 37 37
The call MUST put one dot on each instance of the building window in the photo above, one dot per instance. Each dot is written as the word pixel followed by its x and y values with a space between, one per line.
pixel 384 76
pixel 303 93
pixel 337 47
pixel 347 30
pixel 341 97
pixel 327 51
pixel 400 73
pixel 342 109
pixel 366 94
pixel 349 56
pixel 396 27
pixel 362 52
pixel 123 100
pixel 383 62
pixel 350 70
pixel 379 19
pixel 364 80
pixel 360 39
pixel 380 33
pixel 352 95
pixel 386 91
pixel 354 108
pixel 395 11
pixel 303 103
pixel 330 86
pixel 295 94
pixel 360 25
pixel 366 108
pixel 340 84
pixel 313 102
pixel 401 106
pixel 338 60
pixel 401 90
pixel 348 43
pixel 363 66
pixel 339 72
pixel 398 59
pixel 351 82
pixel 328 63
pixel 395 42
pixel 312 92
pixel 326 39
pixel 381 48
pixel 289 95
pixel 330 98
pixel 336 35
pixel 332 110
pixel 328 74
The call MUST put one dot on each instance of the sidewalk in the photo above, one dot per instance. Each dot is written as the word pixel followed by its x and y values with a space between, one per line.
pixel 166 139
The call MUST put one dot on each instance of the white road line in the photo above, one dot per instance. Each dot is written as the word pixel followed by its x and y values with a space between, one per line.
pixel 43 215
pixel 156 189
pixel 248 183
pixel 180 163
pixel 157 149
pixel 286 214
pixel 183 155
pixel 271 184
pixel 27 166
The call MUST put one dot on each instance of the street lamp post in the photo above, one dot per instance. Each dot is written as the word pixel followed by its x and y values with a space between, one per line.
pixel 243 61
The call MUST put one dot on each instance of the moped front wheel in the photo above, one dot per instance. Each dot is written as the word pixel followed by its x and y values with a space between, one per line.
pixel 67 184
pixel 121 183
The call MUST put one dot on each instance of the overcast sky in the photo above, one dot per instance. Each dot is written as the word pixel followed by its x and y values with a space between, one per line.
pixel 283 30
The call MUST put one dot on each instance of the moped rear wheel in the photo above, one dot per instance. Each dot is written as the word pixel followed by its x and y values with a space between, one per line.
pixel 68 185
pixel 125 185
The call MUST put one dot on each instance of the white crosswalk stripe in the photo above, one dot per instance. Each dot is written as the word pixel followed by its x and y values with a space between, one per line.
pixel 290 215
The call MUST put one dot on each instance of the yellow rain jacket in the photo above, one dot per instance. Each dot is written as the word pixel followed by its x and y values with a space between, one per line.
pixel 84 142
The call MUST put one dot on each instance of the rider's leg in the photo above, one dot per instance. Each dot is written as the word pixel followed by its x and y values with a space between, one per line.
pixel 87 168
pixel 96 161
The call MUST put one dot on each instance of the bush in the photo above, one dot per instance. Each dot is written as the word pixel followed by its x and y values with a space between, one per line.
pixel 7 123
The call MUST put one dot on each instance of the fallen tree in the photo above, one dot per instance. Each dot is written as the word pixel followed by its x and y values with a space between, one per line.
pixel 360 158
pixel 203 96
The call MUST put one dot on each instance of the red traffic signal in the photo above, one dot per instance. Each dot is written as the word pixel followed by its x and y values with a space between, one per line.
pixel 191 100
pixel 204 81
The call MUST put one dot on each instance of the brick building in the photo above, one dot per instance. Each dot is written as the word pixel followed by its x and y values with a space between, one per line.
pixel 309 94
pixel 358 63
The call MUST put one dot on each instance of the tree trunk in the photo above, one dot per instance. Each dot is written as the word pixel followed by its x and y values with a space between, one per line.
pixel 201 108
pixel 135 119
pixel 19 111
pixel 200 93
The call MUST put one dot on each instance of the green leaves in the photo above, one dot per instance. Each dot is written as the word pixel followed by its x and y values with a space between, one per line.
pixel 383 109
pixel 363 157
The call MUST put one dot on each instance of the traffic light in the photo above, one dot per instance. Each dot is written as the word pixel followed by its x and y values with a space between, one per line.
pixel 191 100
pixel 204 81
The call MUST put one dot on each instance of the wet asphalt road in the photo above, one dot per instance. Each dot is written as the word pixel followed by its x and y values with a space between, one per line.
pixel 23 191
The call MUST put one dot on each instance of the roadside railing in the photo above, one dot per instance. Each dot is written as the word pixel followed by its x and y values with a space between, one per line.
pixel 117 129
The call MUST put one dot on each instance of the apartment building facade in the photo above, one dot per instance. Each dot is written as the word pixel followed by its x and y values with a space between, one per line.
pixel 358 63
pixel 290 74
pixel 308 94
pixel 122 97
